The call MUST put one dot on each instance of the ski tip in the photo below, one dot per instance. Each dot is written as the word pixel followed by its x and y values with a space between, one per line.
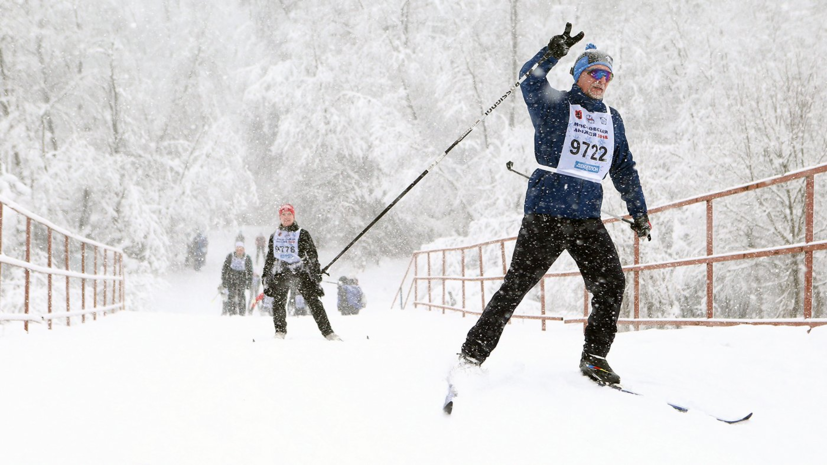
pixel 732 422
pixel 448 408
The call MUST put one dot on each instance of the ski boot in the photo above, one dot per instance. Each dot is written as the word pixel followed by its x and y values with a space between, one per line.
pixel 598 369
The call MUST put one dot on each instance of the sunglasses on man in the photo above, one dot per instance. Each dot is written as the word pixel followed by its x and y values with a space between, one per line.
pixel 598 74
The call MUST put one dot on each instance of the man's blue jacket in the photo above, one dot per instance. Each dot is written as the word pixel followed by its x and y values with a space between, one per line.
pixel 557 194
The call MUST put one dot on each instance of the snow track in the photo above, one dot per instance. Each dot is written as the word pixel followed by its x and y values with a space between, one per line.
pixel 183 385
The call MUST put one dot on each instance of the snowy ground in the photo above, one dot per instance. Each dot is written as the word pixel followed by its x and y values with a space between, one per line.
pixel 179 384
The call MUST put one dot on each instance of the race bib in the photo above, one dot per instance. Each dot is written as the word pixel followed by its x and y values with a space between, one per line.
pixel 237 263
pixel 286 246
pixel 589 146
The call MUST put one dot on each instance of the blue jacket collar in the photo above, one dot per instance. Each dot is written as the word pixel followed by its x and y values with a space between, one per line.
pixel 578 97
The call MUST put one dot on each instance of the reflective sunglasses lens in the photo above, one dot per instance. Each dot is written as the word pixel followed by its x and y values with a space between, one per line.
pixel 598 74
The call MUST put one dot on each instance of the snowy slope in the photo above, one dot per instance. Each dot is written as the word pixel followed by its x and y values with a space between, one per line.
pixel 182 385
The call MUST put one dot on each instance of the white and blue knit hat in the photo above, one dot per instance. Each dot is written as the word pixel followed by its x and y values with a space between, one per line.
pixel 590 57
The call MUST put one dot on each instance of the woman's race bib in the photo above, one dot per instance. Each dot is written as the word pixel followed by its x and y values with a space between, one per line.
pixel 286 246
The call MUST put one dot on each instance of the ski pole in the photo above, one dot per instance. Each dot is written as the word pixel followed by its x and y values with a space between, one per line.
pixel 257 299
pixel 510 164
pixel 444 154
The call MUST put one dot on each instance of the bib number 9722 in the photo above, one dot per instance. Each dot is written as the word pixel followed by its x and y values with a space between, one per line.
pixel 598 152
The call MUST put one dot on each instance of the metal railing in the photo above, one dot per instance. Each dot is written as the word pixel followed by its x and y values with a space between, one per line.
pixel 27 282
pixel 499 246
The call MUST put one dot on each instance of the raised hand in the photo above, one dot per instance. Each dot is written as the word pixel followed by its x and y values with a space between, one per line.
pixel 559 45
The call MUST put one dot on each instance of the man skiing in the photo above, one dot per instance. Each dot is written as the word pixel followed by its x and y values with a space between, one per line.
pixel 236 276
pixel 292 259
pixel 578 140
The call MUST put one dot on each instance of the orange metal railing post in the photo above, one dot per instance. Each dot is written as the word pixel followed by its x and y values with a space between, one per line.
pixel 808 255
pixel 543 301
pixel 502 257
pixel 430 299
pixel 710 288
pixel 463 282
pixel 444 272
pixel 27 272
pixel 482 283
pixel 636 281
pixel 416 279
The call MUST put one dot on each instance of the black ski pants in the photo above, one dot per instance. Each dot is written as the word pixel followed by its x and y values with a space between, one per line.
pixel 236 302
pixel 278 288
pixel 541 240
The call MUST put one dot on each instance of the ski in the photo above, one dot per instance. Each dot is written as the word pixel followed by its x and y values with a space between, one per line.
pixel 677 407
pixel 448 404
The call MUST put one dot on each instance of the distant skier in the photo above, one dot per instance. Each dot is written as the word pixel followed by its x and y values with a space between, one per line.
pixel 267 305
pixel 292 258
pixel 299 305
pixel 451 300
pixel 350 298
pixel 261 246
pixel 296 306
pixel 236 277
pixel 578 141
pixel 197 251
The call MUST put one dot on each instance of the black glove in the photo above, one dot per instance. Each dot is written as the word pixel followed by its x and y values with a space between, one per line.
pixel 642 226
pixel 559 45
